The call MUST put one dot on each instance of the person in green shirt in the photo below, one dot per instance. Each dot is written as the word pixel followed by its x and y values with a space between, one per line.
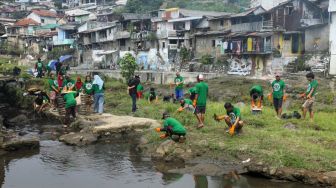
pixel 309 95
pixel 70 106
pixel 39 68
pixel 178 86
pixel 186 104
pixel 140 90
pixel 192 93
pixel 88 92
pixel 200 100
pixel 98 90
pixel 53 87
pixel 278 93
pixel 172 128
pixel 257 96
pixel 69 84
pixel 232 119
pixel 152 95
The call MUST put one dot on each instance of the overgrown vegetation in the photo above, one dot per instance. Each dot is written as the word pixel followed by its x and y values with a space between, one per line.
pixel 206 59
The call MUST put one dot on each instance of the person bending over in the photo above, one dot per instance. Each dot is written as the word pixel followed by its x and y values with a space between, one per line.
pixel 232 119
pixel 172 128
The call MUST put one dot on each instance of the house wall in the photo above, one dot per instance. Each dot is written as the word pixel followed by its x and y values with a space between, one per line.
pixel 81 19
pixel 204 46
pixel 332 39
pixel 215 25
pixel 37 18
pixel 317 39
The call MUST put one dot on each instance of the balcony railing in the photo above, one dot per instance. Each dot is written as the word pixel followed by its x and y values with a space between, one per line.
pixel 244 27
pixel 267 25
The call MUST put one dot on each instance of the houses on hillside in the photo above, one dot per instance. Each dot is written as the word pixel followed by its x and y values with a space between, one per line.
pixel 259 40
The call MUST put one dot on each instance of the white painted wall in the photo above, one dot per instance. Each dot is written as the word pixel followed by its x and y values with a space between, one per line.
pixel 37 18
pixel 332 39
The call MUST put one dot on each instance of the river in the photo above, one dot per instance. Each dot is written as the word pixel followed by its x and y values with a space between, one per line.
pixel 103 165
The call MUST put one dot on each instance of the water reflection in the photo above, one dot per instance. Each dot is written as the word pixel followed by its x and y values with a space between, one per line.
pixel 105 165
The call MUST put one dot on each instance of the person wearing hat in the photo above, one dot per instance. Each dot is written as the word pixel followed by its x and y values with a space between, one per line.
pixel 257 96
pixel 278 93
pixel 232 119
pixel 200 100
pixel 70 105
pixel 172 128
pixel 178 86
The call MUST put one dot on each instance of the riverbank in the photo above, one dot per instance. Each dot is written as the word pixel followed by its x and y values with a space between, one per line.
pixel 267 145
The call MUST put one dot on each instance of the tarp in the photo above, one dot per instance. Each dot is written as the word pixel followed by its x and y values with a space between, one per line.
pixel 52 64
pixel 65 58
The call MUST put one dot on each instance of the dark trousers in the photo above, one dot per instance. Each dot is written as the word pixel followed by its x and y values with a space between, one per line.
pixel 169 132
pixel 69 111
pixel 39 74
pixel 134 98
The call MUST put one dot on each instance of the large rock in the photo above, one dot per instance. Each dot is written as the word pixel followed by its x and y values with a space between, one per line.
pixel 21 143
pixel 165 147
pixel 79 139
pixel 19 120
pixel 116 124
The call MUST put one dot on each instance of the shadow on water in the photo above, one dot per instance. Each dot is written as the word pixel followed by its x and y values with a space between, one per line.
pixel 105 165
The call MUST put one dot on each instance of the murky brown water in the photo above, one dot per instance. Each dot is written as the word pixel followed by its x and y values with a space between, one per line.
pixel 56 165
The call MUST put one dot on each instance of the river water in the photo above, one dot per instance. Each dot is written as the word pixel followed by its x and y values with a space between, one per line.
pixel 103 165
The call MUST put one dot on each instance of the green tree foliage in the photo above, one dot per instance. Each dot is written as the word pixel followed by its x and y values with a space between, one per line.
pixel 185 54
pixel 127 66
pixel 143 6
pixel 206 59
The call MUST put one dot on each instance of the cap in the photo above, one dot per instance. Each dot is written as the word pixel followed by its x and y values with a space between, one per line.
pixel 165 114
pixel 277 74
pixel 201 77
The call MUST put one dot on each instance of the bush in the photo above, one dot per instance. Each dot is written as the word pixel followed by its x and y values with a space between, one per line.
pixel 206 59
pixel 128 66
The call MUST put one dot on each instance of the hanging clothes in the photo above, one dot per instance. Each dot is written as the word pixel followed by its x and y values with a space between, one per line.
pixel 249 44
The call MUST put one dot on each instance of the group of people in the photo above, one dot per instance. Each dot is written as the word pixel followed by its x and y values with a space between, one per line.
pixel 44 70
pixel 64 92
pixel 197 103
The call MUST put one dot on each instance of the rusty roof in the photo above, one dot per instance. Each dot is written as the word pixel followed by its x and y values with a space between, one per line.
pixel 26 22
pixel 45 13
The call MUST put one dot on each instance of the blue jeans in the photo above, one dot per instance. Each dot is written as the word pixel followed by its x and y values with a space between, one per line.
pixel 179 94
pixel 134 97
pixel 99 102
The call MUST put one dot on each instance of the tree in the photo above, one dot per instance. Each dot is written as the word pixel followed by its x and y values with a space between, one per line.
pixel 142 6
pixel 128 66
pixel 184 55
pixel 206 59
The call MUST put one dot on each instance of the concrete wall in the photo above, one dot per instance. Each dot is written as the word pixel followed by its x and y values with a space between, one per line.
pixel 204 46
pixel 332 39
pixel 317 39
pixel 37 18
pixel 155 77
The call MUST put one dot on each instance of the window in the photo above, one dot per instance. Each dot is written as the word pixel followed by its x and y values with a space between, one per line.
pixel 163 45
pixel 42 20
pixel 222 23
pixel 287 37
pixel 213 43
pixel 122 42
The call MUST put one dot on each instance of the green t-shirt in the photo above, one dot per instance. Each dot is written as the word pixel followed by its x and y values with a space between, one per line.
pixel 202 91
pixel 70 100
pixel 179 79
pixel 278 88
pixel 234 114
pixel 39 65
pixel 68 83
pixel 88 88
pixel 96 89
pixel 188 101
pixel 52 83
pixel 311 85
pixel 140 87
pixel 176 125
pixel 257 89
pixel 192 90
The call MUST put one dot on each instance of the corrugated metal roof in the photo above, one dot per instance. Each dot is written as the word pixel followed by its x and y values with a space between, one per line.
pixel 254 11
pixel 186 12
pixel 185 19
pixel 26 22
pixel 45 13
pixel 77 12
pixel 133 16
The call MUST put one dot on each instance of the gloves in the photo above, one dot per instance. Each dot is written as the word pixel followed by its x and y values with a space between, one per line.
pixel 285 98
pixel 158 129
pixel 180 109
pixel 232 130
pixel 303 95
pixel 162 136
pixel 194 103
